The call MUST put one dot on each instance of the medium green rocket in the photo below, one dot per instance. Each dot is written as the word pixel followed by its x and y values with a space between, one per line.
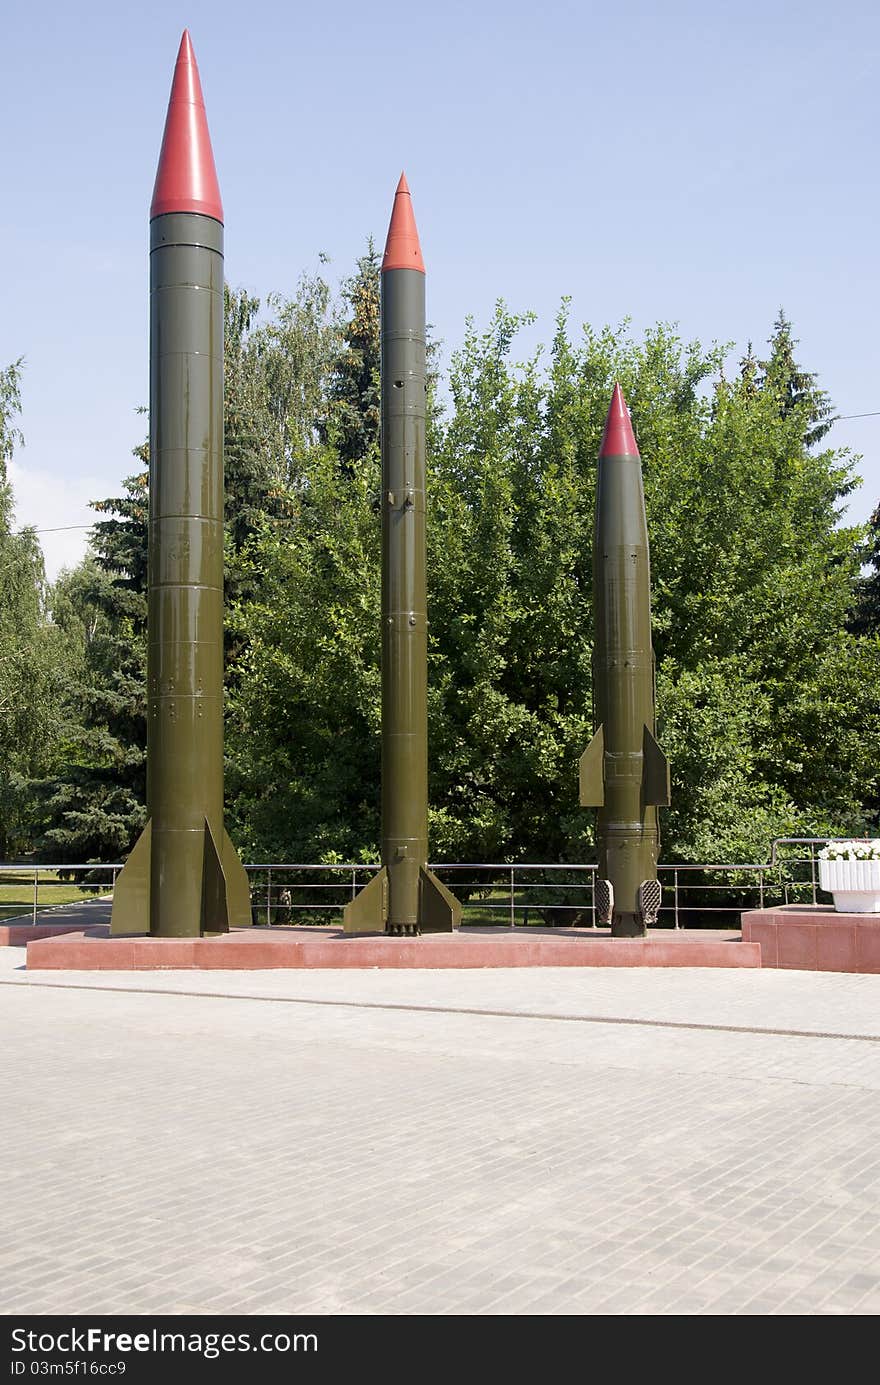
pixel 405 897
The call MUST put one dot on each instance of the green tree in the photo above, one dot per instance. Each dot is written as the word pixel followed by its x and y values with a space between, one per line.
pixel 30 667
pixel 93 802
pixel 866 616
pixel 769 709
pixel 794 389
pixel 352 425
pixel 276 380
pixel 276 372
pixel 769 705
pixel 303 731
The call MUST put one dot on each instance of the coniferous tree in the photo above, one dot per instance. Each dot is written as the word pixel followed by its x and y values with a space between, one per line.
pixel 94 801
pixel 353 404
pixel 794 387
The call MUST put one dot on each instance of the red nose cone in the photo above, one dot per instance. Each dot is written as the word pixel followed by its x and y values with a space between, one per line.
pixel 186 179
pixel 618 440
pixel 402 249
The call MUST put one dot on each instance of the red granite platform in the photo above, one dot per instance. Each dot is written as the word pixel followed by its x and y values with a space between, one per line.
pixel 15 934
pixel 253 949
pixel 813 937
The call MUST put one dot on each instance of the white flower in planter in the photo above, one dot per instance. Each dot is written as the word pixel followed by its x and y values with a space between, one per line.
pixel 866 849
pixel 850 871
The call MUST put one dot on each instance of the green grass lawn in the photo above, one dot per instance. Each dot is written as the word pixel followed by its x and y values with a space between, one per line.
pixel 17 893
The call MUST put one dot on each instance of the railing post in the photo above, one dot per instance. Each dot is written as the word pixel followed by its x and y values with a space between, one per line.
pixel 512 907
pixel 813 871
pixel 760 889
pixel 354 882
pixel 268 899
pixel 675 896
pixel 36 889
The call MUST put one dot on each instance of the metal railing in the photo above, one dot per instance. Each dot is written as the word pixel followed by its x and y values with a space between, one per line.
pixel 80 883
pixel 514 894
pixel 807 862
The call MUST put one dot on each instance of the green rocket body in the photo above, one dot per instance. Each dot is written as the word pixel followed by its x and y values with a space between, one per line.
pixel 623 772
pixel 405 897
pixel 183 877
pixel 404 598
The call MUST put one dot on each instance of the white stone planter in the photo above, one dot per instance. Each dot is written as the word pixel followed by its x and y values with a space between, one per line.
pixel 855 885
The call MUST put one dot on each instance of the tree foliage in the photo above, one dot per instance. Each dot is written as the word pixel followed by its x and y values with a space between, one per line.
pixel 768 708
pixel 92 805
pixel 793 388
pixel 31 660
pixel 352 422
pixel 767 685
pixel 866 615
pixel 93 801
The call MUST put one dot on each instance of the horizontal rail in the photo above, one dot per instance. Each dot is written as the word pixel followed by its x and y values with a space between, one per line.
pixel 807 841
pixel 516 891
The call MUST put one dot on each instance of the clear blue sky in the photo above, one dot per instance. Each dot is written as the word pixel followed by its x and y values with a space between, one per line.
pixel 702 164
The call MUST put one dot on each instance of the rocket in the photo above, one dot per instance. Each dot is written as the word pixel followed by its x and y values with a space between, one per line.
pixel 623 771
pixel 183 877
pixel 405 897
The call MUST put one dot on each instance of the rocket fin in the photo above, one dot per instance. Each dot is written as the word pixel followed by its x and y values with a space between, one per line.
pixel 655 773
pixel 215 910
pixel 367 912
pixel 131 893
pixel 439 910
pixel 592 772
pixel 238 890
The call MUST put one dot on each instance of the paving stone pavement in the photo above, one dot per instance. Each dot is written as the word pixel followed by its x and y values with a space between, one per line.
pixel 609 1142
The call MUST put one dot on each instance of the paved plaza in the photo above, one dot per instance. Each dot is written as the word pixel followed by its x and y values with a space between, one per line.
pixel 550 1141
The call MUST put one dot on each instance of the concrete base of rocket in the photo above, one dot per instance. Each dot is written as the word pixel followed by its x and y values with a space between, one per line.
pixel 438 911
pixel 210 896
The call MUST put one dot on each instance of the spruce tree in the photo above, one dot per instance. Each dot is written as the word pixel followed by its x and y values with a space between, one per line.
pixel 94 800
pixel 795 387
pixel 353 405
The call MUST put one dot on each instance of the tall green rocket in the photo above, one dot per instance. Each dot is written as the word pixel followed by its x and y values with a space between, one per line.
pixel 183 877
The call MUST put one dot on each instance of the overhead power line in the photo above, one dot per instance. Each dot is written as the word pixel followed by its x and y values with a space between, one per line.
pixel 61 529
pixel 68 528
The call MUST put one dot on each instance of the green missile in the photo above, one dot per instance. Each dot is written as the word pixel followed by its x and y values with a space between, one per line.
pixel 405 897
pixel 623 771
pixel 183 878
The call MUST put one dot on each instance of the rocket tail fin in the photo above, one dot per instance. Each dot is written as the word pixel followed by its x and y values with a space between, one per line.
pixel 368 911
pixel 226 894
pixel 655 772
pixel 131 893
pixel 238 890
pixel 591 772
pixel 439 910
pixel 215 912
